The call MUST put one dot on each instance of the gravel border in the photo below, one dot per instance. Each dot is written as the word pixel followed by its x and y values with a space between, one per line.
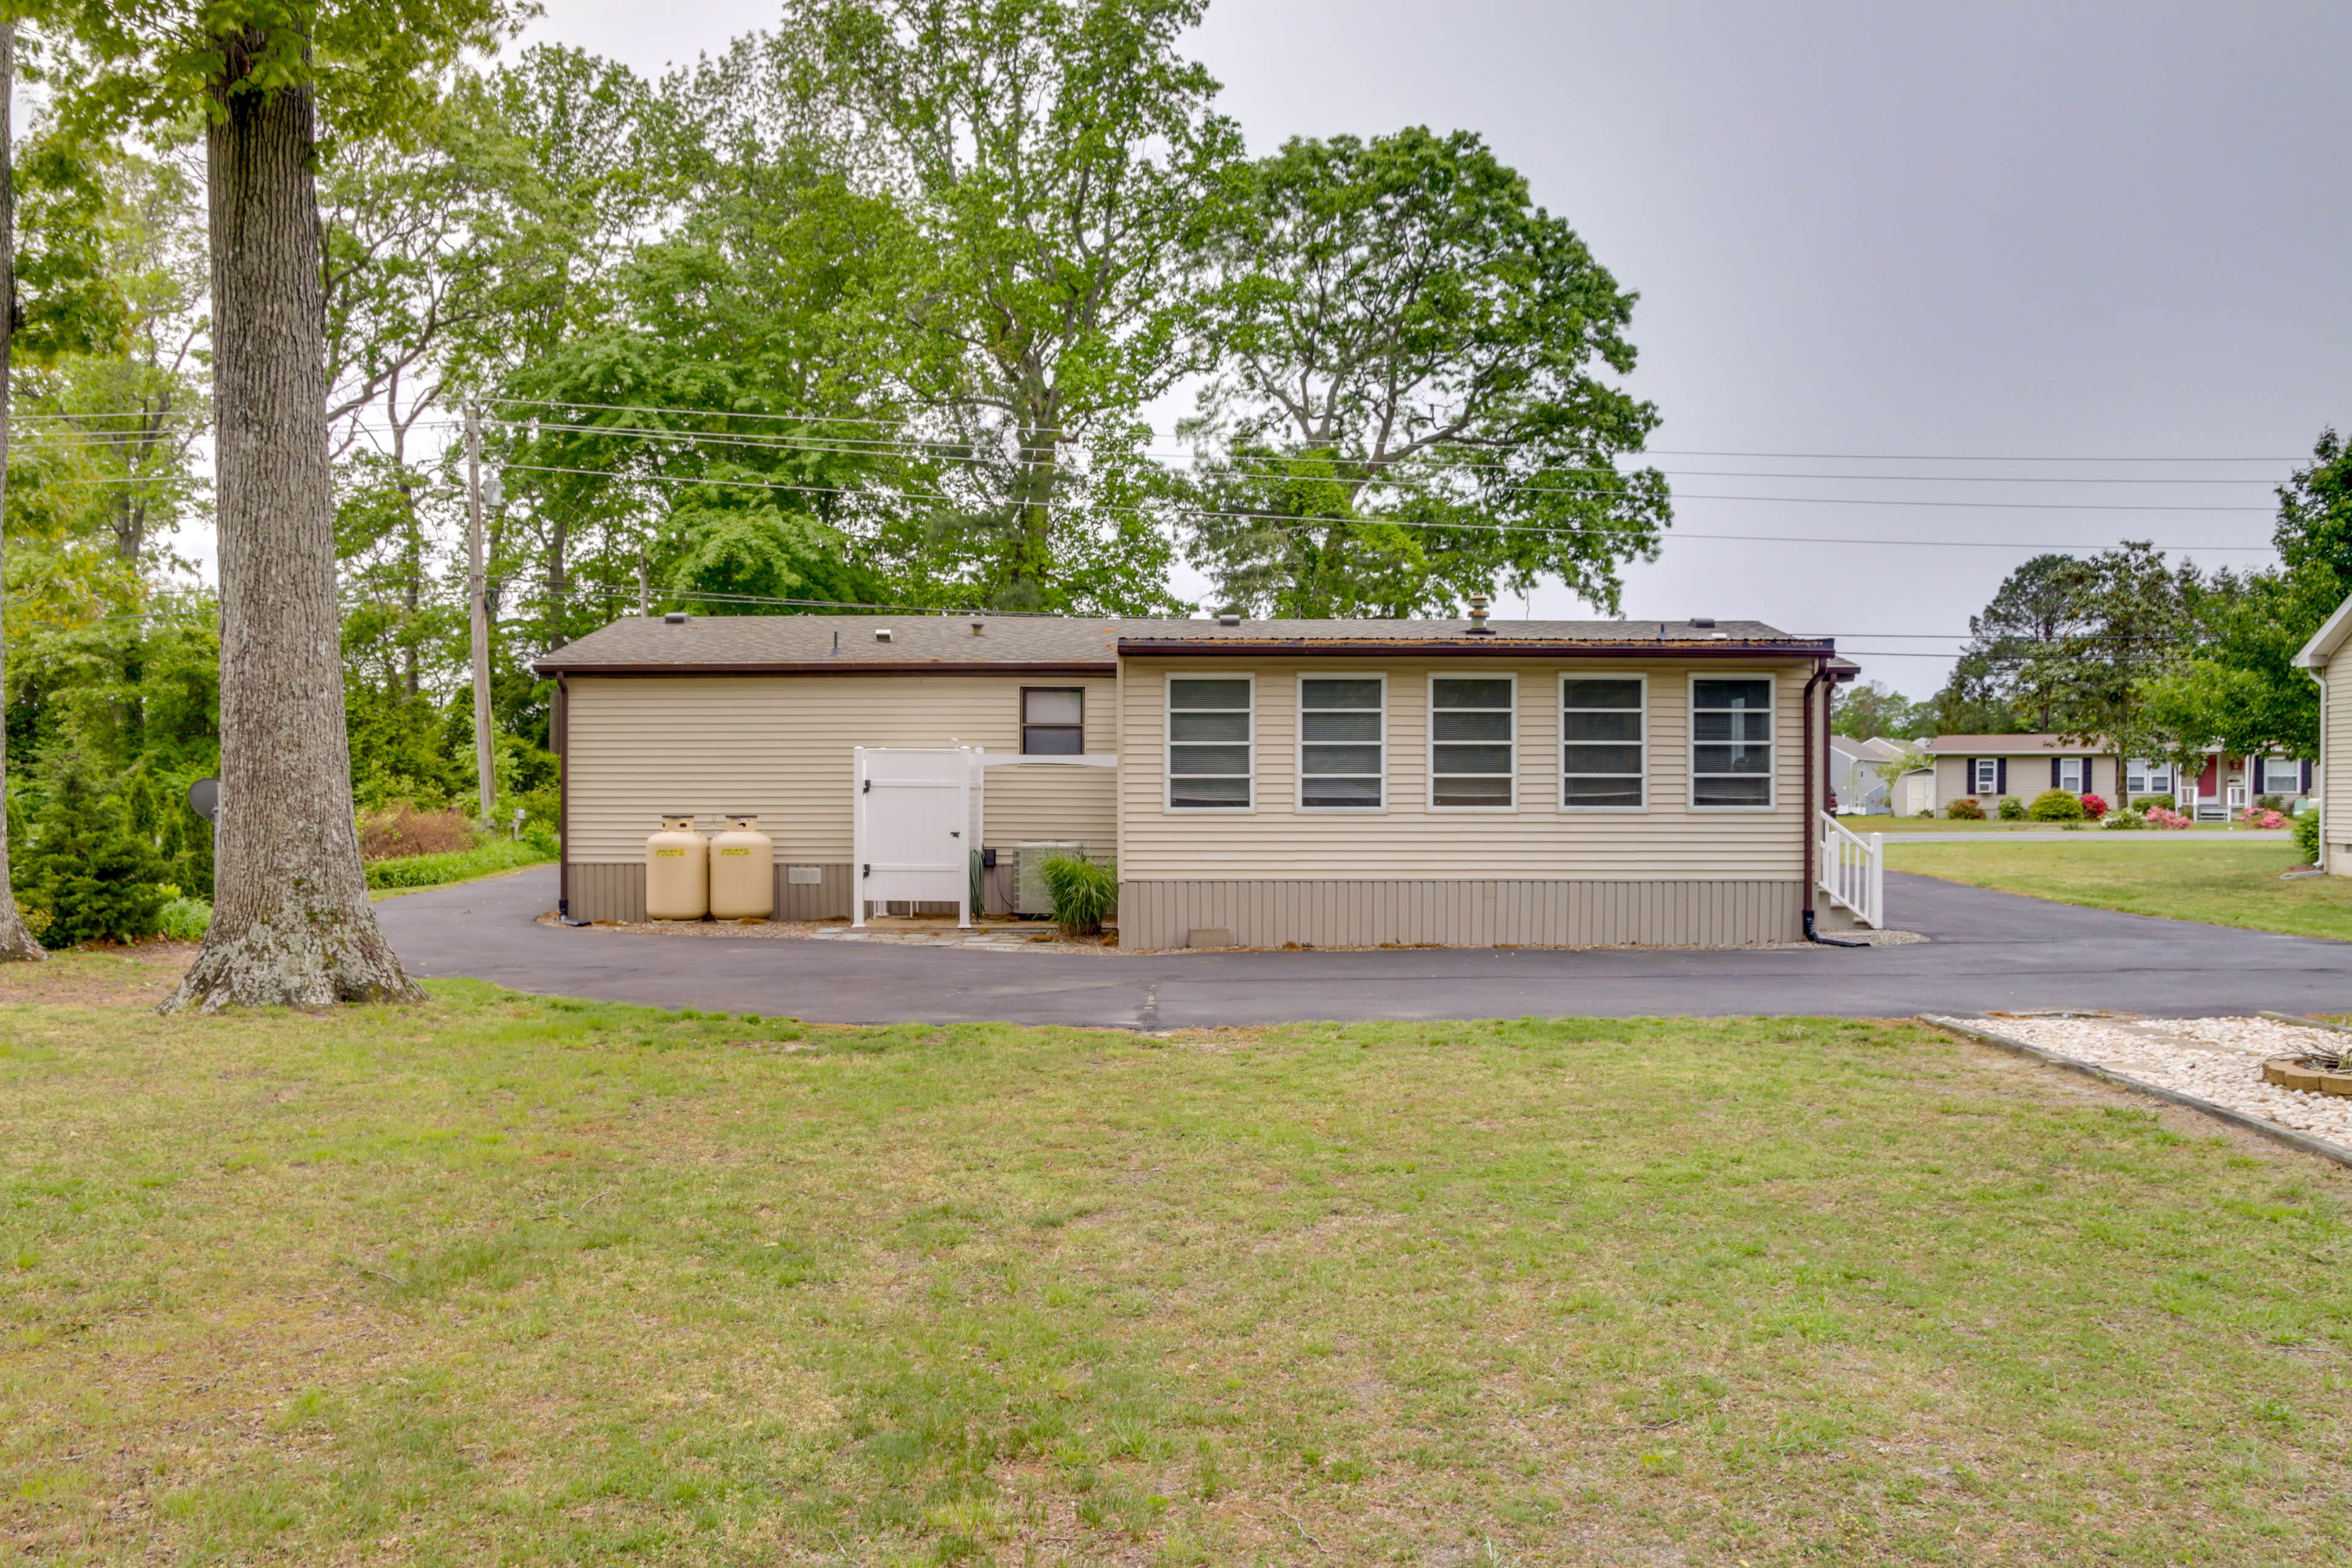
pixel 2303 1142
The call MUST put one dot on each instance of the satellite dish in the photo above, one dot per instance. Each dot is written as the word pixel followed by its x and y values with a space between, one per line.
pixel 203 799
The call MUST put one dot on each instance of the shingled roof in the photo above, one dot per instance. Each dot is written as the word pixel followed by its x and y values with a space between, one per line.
pixel 796 643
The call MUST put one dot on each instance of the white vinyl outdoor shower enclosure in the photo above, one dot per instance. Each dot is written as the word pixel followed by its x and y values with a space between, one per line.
pixel 916 828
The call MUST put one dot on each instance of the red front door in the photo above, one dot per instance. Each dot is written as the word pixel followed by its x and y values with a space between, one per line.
pixel 2209 782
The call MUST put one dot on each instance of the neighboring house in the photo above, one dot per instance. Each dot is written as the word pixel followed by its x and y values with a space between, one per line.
pixel 1987 767
pixel 1854 779
pixel 1324 783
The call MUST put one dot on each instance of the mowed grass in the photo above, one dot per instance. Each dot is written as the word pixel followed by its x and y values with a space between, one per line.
pixel 508 1279
pixel 2231 883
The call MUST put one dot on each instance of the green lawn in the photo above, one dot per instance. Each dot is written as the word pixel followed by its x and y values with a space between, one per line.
pixel 2229 883
pixel 508 1279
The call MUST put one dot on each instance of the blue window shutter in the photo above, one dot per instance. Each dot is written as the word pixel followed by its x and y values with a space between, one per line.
pixel 2306 780
pixel 2053 772
pixel 2000 775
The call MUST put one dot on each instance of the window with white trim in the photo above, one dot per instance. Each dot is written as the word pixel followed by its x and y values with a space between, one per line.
pixel 1732 743
pixel 2144 777
pixel 1472 741
pixel 1986 776
pixel 1209 743
pixel 2074 774
pixel 2281 775
pixel 1604 735
pixel 1343 742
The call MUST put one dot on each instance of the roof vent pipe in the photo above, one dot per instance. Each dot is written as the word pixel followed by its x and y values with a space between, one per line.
pixel 1479 626
pixel 978 626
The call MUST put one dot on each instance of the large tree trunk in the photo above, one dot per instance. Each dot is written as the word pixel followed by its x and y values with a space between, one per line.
pixel 291 922
pixel 16 941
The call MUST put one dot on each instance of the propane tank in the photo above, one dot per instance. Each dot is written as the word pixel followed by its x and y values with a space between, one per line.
pixel 677 871
pixel 742 872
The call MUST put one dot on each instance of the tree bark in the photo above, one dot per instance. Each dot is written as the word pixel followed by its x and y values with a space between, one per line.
pixel 17 942
pixel 291 922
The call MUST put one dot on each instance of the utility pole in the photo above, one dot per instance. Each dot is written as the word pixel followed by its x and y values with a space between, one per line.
pixel 479 593
pixel 644 600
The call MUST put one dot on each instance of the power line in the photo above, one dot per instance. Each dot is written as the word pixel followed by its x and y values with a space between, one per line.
pixel 1661 452
pixel 1491 527
pixel 927 449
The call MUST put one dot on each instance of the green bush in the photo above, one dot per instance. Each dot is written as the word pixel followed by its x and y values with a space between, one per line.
pixel 1084 893
pixel 1964 809
pixel 2153 803
pixel 2307 836
pixel 96 878
pixel 2011 809
pixel 2124 821
pixel 2056 805
pixel 185 920
pixel 459 865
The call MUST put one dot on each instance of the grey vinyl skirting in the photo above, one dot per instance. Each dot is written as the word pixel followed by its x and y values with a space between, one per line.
pixel 1465 913
pixel 1356 912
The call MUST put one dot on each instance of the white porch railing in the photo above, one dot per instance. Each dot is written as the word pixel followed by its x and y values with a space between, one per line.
pixel 1854 871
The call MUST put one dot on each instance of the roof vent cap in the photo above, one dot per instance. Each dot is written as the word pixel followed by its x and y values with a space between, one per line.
pixel 1227 618
pixel 673 618
pixel 881 634
pixel 1479 626
pixel 1704 623
pixel 978 625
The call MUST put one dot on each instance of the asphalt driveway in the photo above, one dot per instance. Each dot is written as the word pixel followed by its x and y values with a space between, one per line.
pixel 1990 951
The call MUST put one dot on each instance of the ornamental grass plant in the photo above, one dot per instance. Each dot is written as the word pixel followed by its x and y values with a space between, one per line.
pixel 1084 893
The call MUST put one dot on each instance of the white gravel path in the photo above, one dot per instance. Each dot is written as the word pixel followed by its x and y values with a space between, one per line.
pixel 2220 1059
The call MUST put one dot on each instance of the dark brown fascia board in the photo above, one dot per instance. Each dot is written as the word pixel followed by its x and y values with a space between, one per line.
pixel 835 667
pixel 1481 649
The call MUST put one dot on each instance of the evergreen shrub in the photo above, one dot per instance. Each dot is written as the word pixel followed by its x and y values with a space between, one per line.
pixel 86 867
pixel 2011 809
pixel 2152 803
pixel 2055 805
pixel 2307 837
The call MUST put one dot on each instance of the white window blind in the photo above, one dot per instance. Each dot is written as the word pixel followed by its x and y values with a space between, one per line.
pixel 1732 743
pixel 1604 741
pixel 1474 741
pixel 1343 742
pixel 1209 743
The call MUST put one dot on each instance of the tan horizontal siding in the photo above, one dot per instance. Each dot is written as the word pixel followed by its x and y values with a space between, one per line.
pixel 2332 780
pixel 1463 913
pixel 1669 841
pixel 615 891
pixel 779 746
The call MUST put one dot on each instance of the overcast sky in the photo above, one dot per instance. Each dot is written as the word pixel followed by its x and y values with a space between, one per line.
pixel 2057 231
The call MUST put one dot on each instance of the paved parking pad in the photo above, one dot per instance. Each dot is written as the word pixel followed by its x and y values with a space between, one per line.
pixel 1988 951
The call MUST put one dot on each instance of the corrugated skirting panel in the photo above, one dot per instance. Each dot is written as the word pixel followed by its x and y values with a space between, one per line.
pixel 609 890
pixel 1464 913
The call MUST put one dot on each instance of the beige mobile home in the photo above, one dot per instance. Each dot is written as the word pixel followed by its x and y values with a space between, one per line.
pixel 1259 783
pixel 2328 657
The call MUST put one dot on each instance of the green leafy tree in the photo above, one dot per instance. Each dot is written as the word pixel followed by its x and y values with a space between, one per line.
pixel 1052 157
pixel 1988 692
pixel 1412 401
pixel 17 942
pixel 293 925
pixel 1869 709
pixel 2239 687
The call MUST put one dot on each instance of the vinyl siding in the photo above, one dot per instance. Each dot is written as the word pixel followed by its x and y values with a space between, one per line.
pixel 779 746
pixel 2029 775
pixel 1538 841
pixel 2332 780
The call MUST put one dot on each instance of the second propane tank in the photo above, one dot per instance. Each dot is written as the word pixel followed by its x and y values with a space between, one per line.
pixel 677 872
pixel 742 872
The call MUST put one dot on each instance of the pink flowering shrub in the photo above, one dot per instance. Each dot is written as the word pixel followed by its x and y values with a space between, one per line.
pixel 2255 817
pixel 2160 817
pixel 2094 806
